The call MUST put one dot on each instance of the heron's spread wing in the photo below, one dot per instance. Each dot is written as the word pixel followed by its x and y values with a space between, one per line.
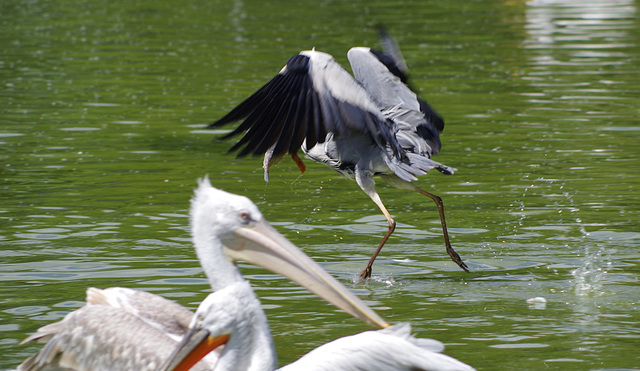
pixel 311 96
pixel 392 58
pixel 381 76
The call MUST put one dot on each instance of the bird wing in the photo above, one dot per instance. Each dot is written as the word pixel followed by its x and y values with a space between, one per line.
pixel 163 314
pixel 119 328
pixel 380 75
pixel 416 134
pixel 389 349
pixel 99 337
pixel 393 59
pixel 310 97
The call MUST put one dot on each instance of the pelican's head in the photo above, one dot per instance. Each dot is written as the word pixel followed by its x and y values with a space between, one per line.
pixel 219 215
pixel 232 223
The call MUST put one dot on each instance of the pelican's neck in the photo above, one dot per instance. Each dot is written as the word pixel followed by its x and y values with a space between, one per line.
pixel 259 355
pixel 250 347
pixel 218 269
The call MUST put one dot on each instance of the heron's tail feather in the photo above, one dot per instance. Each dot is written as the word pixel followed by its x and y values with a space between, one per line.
pixel 416 166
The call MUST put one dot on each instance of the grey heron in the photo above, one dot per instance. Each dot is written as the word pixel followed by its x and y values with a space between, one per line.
pixel 122 329
pixel 228 317
pixel 370 125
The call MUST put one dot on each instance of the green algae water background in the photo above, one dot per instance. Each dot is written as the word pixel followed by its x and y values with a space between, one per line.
pixel 103 106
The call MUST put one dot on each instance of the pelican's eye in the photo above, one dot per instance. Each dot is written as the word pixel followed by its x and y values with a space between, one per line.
pixel 245 218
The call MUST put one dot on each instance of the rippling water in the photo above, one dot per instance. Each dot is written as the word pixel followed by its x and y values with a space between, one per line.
pixel 103 106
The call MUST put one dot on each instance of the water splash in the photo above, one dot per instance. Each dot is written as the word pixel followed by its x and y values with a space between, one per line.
pixel 587 279
pixel 386 280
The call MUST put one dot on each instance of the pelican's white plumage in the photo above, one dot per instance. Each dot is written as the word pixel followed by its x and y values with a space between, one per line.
pixel 169 317
pixel 235 312
pixel 389 349
pixel 122 329
pixel 118 329
pixel 370 125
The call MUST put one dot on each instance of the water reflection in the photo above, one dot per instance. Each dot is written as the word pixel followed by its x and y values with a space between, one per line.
pixel 592 25
pixel 577 50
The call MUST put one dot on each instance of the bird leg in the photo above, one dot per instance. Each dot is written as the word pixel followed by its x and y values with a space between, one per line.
pixel 269 160
pixel 366 272
pixel 399 183
pixel 452 253
pixel 298 162
pixel 366 182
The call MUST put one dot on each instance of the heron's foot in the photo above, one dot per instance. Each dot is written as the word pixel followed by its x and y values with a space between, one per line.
pixel 457 259
pixel 365 275
pixel 299 162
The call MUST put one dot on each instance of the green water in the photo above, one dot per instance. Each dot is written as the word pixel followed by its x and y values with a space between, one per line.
pixel 102 109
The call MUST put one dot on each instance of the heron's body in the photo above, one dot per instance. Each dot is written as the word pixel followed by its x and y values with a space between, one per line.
pixel 230 313
pixel 124 329
pixel 370 125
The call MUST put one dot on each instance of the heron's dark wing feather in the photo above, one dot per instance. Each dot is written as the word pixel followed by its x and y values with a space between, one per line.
pixel 274 124
pixel 311 96
pixel 392 58
pixel 431 115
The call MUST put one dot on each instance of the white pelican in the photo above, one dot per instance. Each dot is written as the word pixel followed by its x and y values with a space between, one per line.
pixel 132 331
pixel 228 316
pixel 373 125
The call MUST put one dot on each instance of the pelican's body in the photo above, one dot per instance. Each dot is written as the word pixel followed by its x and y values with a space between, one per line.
pixel 373 125
pixel 230 314
pixel 389 349
pixel 118 329
pixel 123 329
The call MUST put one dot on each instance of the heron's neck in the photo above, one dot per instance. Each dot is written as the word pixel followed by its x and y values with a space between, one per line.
pixel 219 270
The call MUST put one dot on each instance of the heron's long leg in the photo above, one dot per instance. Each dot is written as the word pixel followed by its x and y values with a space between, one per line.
pixel 402 184
pixel 366 182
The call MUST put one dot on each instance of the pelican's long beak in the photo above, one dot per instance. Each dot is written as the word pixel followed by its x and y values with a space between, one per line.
pixel 263 246
pixel 195 345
